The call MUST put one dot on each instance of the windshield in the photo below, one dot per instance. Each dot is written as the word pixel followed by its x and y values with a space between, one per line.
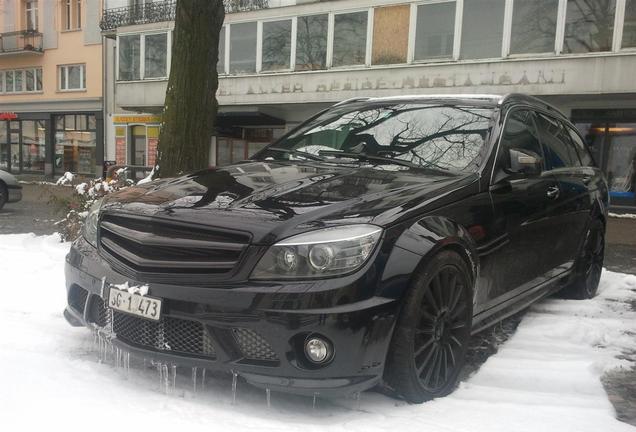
pixel 438 136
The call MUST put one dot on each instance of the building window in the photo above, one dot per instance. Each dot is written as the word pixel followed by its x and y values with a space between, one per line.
pixel 21 80
pixel 276 52
pixel 220 66
pixel 350 39
pixel 129 57
pixel 629 28
pixel 72 77
pixel 390 34
pixel 311 42
pixel 72 14
pixel 533 26
pixel 31 15
pixel 589 26
pixel 243 48
pixel 482 29
pixel 75 143
pixel 156 55
pixel 435 31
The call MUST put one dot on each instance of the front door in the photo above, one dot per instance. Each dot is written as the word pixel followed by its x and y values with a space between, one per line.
pixel 523 208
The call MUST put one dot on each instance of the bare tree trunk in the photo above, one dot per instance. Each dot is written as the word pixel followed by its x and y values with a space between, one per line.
pixel 190 108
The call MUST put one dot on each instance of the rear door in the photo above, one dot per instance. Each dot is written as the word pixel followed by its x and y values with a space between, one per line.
pixel 573 203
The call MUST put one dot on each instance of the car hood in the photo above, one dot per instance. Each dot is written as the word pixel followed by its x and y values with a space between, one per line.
pixel 271 199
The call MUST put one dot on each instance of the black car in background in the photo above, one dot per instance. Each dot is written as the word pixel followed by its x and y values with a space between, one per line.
pixel 365 246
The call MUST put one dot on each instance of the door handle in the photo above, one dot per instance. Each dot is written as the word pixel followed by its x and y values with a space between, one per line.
pixel 553 192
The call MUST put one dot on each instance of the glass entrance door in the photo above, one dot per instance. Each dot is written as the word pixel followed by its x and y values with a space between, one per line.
pixel 621 163
pixel 14 146
pixel 4 145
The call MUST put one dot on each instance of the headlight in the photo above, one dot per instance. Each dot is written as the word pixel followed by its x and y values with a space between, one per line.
pixel 89 231
pixel 320 253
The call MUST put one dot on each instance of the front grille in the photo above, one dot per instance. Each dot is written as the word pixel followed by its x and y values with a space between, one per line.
pixel 77 298
pixel 168 334
pixel 159 249
pixel 253 345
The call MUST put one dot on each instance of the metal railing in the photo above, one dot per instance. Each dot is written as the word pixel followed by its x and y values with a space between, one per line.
pixel 160 11
pixel 20 41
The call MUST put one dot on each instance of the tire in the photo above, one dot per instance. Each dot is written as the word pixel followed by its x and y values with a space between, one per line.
pixel 589 265
pixel 429 344
pixel 4 195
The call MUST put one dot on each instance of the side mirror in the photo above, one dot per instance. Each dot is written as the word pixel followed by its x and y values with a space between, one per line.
pixel 524 162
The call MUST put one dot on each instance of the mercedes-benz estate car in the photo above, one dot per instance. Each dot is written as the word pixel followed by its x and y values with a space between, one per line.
pixel 362 248
pixel 10 189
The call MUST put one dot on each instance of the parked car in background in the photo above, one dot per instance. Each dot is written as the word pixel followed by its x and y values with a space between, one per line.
pixel 10 189
pixel 365 246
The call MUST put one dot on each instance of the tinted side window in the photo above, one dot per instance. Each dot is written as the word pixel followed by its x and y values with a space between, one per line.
pixel 559 150
pixel 519 134
pixel 581 148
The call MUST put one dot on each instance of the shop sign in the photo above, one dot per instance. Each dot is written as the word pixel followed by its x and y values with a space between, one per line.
pixel 137 119
pixel 8 116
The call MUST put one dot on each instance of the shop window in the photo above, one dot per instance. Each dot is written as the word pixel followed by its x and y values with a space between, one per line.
pixel 72 14
pixel 311 42
pixel 589 26
pixel 243 48
pixel 390 34
pixel 276 45
pixel 220 66
pixel 72 77
pixel 21 80
pixel 350 39
pixel 31 15
pixel 435 31
pixel 33 145
pixel 533 26
pixel 129 57
pixel 621 163
pixel 482 29
pixel 75 143
pixel 155 55
pixel 629 28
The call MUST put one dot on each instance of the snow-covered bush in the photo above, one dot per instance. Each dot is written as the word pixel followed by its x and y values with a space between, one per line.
pixel 84 195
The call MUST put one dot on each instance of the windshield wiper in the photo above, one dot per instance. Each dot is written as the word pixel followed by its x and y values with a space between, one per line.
pixel 296 153
pixel 367 157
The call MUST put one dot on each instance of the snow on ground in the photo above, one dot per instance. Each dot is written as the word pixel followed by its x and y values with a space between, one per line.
pixel 544 378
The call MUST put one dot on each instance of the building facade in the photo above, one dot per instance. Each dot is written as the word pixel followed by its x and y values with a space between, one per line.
pixel 51 87
pixel 282 61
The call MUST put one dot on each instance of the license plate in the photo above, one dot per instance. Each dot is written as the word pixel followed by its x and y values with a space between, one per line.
pixel 135 304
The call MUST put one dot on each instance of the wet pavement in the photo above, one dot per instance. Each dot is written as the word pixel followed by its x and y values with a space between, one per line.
pixel 39 211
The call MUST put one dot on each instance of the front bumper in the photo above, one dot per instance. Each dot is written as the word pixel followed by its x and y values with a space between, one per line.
pixel 256 330
pixel 15 193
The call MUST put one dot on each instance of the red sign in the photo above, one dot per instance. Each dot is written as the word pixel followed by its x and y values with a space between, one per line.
pixel 8 116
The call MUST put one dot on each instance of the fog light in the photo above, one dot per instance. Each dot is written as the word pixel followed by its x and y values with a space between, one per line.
pixel 317 350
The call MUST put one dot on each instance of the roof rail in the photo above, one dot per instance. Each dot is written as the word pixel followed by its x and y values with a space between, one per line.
pixel 350 100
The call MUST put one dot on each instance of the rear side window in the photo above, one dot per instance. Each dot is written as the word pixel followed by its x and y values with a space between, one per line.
pixel 581 148
pixel 558 148
pixel 519 134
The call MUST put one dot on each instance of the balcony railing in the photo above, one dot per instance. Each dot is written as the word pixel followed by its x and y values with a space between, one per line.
pixel 22 41
pixel 160 11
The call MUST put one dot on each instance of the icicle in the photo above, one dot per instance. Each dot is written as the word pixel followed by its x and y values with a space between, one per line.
pixel 314 403
pixel 268 395
pixel 234 381
pixel 356 396
pixel 160 372
pixel 164 369
pixel 127 364
pixel 174 377
pixel 203 380
pixel 195 371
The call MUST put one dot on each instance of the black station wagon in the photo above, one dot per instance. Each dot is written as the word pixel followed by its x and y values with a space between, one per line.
pixel 364 247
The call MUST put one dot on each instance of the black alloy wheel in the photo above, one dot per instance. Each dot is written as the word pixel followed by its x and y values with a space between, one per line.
pixel 429 345
pixel 589 267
